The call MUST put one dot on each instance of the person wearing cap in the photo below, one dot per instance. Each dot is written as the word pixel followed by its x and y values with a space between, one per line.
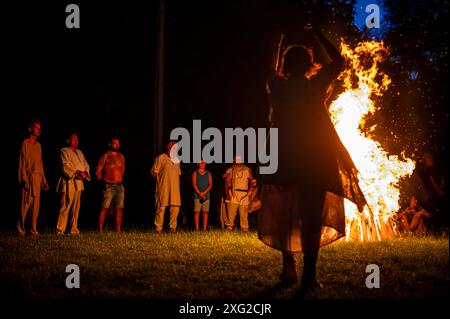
pixel 237 181
pixel 166 170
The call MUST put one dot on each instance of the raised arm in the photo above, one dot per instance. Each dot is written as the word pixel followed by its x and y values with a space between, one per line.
pixel 331 50
pixel 332 70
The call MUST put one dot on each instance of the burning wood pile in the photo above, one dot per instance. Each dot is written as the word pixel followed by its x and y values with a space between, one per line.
pixel 379 173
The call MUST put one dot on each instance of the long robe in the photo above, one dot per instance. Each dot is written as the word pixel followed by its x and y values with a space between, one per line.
pixel 31 176
pixel 70 189
pixel 167 181
pixel 311 157
pixel 31 170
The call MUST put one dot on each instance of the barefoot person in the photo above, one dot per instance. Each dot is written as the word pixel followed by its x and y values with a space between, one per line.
pixel 412 217
pixel 110 170
pixel 303 202
pixel 31 178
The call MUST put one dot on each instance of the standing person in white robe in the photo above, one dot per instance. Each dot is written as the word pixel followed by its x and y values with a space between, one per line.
pixel 74 170
pixel 166 170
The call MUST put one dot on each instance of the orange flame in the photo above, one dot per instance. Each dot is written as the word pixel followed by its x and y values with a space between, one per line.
pixel 379 173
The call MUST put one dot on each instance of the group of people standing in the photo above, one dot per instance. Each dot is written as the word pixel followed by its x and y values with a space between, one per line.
pixel 239 188
pixel 302 203
pixel 75 171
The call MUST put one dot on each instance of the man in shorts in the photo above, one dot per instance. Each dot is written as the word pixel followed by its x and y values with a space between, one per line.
pixel 110 170
pixel 202 184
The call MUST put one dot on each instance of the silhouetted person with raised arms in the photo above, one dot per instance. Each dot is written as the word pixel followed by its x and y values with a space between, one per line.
pixel 303 202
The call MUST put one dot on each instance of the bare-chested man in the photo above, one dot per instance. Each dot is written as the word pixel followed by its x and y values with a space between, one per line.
pixel 110 170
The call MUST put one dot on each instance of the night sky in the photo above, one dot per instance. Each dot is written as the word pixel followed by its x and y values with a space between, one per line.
pixel 99 80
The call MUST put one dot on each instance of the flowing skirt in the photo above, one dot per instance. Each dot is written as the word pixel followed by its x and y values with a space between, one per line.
pixel 284 214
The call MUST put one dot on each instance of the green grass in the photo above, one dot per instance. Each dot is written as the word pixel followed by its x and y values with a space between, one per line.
pixel 213 265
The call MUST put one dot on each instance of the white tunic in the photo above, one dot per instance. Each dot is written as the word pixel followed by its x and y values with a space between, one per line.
pixel 239 177
pixel 71 161
pixel 167 181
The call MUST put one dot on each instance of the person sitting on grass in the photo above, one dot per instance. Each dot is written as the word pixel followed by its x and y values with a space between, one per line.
pixel 412 217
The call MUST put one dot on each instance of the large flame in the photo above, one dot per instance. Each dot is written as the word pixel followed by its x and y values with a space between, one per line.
pixel 379 173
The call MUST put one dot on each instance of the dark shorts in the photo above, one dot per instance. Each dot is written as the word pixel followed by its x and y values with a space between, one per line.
pixel 113 192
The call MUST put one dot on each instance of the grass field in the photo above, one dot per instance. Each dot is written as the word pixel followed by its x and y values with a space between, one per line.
pixel 213 265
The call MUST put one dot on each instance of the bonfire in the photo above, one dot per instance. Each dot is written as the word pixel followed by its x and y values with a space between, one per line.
pixel 379 172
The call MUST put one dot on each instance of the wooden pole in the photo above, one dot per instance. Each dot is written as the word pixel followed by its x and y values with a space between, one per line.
pixel 159 81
